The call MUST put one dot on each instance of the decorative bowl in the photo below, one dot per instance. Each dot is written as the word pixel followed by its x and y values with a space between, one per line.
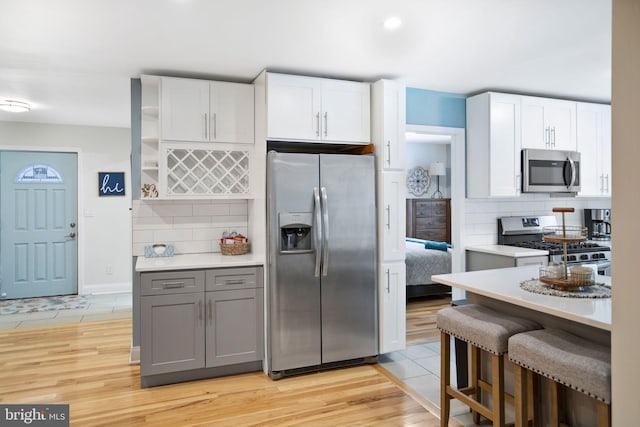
pixel 159 248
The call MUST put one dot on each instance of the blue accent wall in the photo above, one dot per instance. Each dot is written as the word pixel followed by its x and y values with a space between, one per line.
pixel 432 108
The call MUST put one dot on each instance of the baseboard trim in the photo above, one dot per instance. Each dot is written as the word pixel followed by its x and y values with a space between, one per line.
pixel 106 288
pixel 134 355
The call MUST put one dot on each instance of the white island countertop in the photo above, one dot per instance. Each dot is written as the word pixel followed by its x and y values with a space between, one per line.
pixel 195 261
pixel 504 285
pixel 505 250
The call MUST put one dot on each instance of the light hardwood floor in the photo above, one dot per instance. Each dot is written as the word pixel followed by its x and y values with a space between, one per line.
pixel 421 318
pixel 86 366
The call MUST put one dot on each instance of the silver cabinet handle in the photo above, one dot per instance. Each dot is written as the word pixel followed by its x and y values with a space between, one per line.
pixel 210 310
pixel 325 231
pixel 518 183
pixel 389 153
pixel 388 281
pixel 235 282
pixel 553 137
pixel 215 126
pixel 601 183
pixel 318 230
pixel 200 310
pixel 388 224
pixel 206 123
pixel 607 183
pixel 318 124
pixel 326 126
pixel 547 138
pixel 173 285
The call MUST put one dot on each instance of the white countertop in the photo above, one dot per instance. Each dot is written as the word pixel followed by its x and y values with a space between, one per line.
pixel 192 261
pixel 510 251
pixel 504 285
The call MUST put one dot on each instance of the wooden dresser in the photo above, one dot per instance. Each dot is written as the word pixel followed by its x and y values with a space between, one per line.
pixel 429 219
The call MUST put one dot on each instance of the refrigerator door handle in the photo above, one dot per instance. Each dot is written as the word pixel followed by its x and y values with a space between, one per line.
pixel 325 231
pixel 318 230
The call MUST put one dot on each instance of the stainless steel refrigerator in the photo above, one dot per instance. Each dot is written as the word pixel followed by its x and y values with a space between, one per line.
pixel 322 261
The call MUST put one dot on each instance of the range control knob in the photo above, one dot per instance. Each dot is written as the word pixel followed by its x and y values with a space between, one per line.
pixel 584 257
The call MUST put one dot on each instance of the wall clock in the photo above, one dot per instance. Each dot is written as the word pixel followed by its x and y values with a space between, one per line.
pixel 418 181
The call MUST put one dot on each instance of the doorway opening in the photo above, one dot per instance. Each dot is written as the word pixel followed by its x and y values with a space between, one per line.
pixel 426 145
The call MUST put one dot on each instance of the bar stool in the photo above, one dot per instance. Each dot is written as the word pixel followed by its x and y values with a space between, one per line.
pixel 484 329
pixel 565 359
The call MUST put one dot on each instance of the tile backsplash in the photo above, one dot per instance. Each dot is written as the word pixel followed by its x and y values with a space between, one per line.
pixel 481 215
pixel 191 226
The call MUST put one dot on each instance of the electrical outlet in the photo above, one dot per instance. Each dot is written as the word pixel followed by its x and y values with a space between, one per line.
pixel 109 269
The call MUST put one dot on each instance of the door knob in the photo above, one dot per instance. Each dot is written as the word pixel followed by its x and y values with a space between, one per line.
pixel 72 235
pixel 72 225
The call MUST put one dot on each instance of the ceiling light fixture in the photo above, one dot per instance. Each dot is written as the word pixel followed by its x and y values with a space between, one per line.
pixel 14 106
pixel 392 23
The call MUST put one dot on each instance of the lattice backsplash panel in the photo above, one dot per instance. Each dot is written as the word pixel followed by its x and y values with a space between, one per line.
pixel 207 172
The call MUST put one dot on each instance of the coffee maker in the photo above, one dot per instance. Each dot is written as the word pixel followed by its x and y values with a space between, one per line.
pixel 598 223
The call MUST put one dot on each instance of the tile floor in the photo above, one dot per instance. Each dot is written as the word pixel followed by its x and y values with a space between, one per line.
pixel 418 366
pixel 100 307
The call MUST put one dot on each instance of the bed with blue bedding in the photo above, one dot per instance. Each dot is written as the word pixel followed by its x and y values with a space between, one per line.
pixel 425 258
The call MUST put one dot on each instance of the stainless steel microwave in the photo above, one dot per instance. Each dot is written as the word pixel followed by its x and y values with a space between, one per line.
pixel 550 171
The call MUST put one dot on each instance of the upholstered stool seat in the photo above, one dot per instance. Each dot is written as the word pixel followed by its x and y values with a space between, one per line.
pixel 483 329
pixel 566 359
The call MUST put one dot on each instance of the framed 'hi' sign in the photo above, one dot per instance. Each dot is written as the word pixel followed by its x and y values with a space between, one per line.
pixel 110 184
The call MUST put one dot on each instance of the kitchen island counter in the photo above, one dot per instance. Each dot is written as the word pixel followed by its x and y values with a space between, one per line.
pixel 504 285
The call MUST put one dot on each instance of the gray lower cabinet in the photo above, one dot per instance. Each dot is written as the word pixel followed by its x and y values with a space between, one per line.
pixel 173 333
pixel 234 326
pixel 200 323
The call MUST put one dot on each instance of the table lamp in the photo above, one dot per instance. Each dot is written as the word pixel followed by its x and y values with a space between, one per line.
pixel 437 169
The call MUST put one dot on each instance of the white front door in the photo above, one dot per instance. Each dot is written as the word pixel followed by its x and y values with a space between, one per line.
pixel 38 224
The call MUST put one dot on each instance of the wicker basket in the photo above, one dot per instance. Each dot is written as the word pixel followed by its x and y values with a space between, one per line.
pixel 234 248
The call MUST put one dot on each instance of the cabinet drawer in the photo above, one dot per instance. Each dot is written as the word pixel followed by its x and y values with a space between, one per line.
pixel 233 278
pixel 435 235
pixel 431 208
pixel 172 282
pixel 432 222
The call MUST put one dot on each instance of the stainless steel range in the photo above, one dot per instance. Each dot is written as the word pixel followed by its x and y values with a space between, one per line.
pixel 526 232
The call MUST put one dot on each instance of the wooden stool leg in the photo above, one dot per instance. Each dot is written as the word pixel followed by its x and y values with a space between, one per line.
pixel 475 377
pixel 445 378
pixel 497 389
pixel 604 414
pixel 532 396
pixel 554 401
pixel 521 396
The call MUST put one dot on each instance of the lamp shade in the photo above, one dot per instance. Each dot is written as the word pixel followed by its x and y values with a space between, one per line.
pixel 437 168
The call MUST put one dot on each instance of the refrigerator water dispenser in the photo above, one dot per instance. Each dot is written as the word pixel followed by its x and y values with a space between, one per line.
pixel 295 232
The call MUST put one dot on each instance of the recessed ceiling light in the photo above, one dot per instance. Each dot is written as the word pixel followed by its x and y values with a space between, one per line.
pixel 14 106
pixel 392 23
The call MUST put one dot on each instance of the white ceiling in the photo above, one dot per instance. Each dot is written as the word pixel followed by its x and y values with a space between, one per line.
pixel 73 59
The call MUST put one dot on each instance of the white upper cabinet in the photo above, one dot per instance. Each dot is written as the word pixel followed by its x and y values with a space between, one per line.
pixel 206 111
pixel 388 113
pixel 184 109
pixel 493 145
pixel 317 110
pixel 594 145
pixel 231 112
pixel 548 123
